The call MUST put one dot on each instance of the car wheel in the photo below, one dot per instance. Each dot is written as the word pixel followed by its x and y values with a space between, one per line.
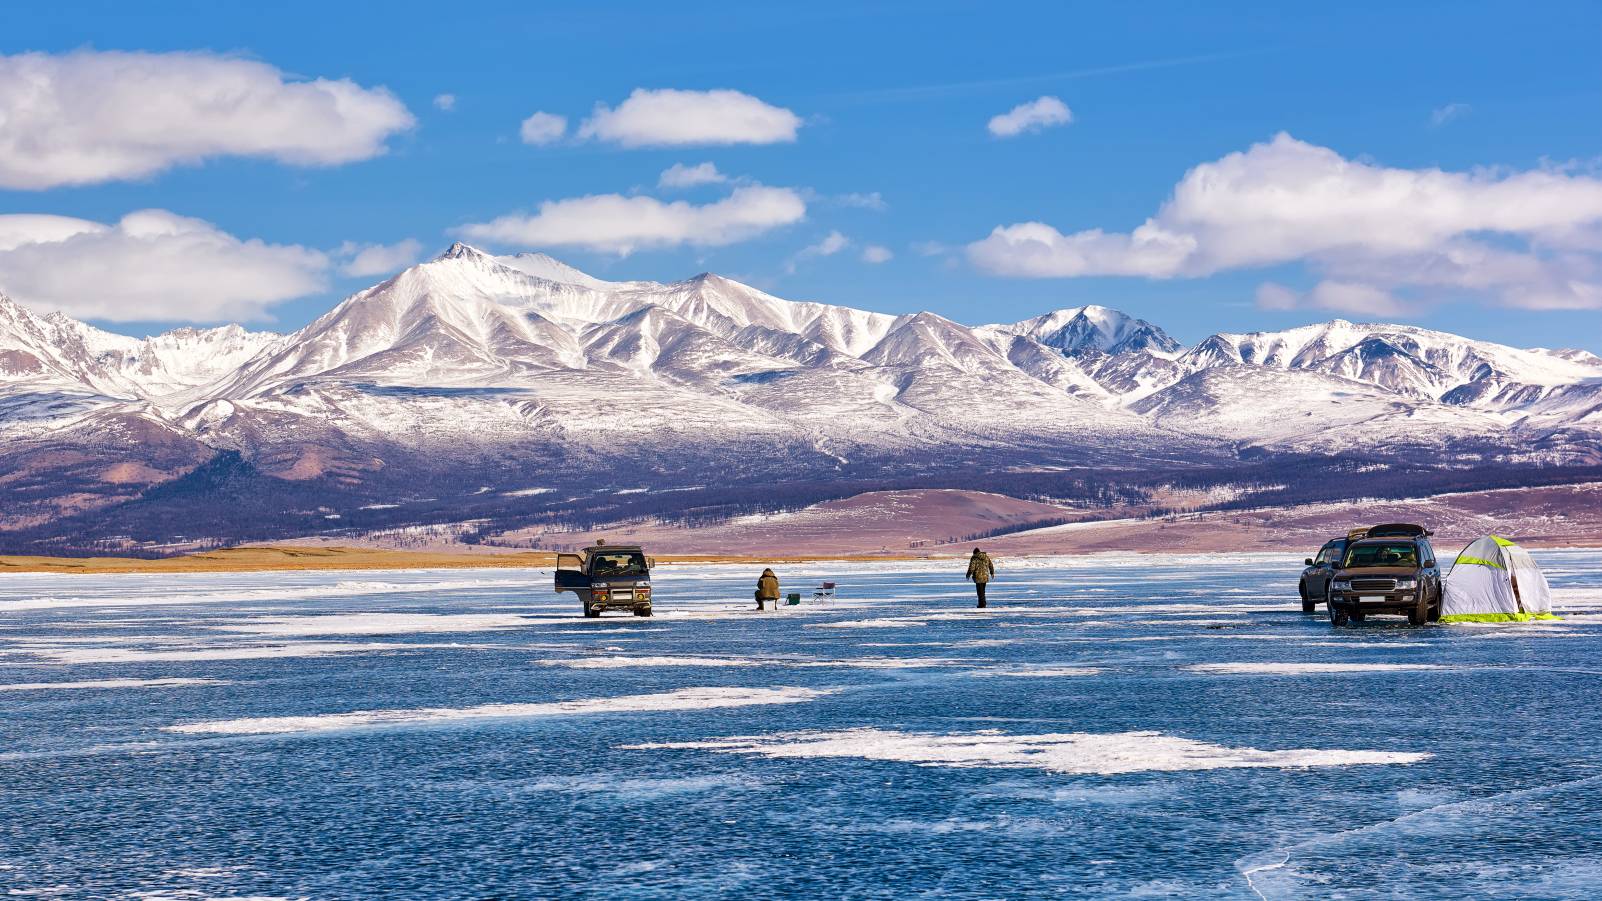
pixel 1420 612
pixel 1337 613
pixel 642 611
pixel 1308 604
pixel 1356 615
pixel 590 614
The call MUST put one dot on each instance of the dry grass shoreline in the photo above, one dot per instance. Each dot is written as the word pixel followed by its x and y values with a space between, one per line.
pixel 272 558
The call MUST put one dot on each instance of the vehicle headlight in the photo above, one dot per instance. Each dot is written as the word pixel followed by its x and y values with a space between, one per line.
pixel 1341 585
pixel 1408 582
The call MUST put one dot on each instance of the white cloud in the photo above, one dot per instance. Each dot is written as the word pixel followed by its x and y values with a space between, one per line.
pixel 1036 115
pixel 446 102
pixel 151 265
pixel 1528 239
pixel 378 259
pixel 87 117
pixel 615 223
pixel 1449 112
pixel 1351 298
pixel 669 118
pixel 543 128
pixel 876 253
pixel 679 175
pixel 831 244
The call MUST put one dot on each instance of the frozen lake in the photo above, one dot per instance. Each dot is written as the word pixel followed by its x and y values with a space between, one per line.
pixel 1111 726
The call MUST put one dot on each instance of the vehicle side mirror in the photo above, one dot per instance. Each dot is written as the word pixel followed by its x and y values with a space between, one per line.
pixel 1308 562
pixel 650 563
pixel 1429 564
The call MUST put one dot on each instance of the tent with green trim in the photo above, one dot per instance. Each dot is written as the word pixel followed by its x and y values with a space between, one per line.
pixel 1495 580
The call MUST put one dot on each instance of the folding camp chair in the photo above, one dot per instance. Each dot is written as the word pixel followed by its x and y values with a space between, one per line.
pixel 824 592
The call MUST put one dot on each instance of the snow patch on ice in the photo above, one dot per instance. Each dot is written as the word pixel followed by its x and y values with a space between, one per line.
pixel 634 789
pixel 375 624
pixel 1297 669
pixel 112 683
pixel 616 662
pixel 883 623
pixel 337 590
pixel 682 699
pixel 1043 672
pixel 242 652
pixel 1080 753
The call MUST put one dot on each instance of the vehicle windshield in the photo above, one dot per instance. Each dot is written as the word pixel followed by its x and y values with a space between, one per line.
pixel 1390 553
pixel 622 563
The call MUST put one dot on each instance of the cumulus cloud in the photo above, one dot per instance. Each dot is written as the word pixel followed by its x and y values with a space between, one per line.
pixel 1447 113
pixel 876 253
pixel 1036 115
pixel 543 128
pixel 614 223
pixel 1528 238
pixel 670 118
pixel 378 259
pixel 445 102
pixel 152 265
pixel 87 117
pixel 679 175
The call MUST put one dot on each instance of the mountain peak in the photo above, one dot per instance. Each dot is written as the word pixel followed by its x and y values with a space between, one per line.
pixel 1077 330
pixel 460 251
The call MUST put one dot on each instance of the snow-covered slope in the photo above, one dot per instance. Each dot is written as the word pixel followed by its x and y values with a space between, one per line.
pixel 1405 359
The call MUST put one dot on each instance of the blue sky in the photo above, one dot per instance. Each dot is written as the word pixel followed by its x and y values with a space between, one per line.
pixel 893 99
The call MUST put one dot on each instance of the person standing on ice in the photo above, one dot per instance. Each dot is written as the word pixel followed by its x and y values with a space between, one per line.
pixel 767 589
pixel 981 570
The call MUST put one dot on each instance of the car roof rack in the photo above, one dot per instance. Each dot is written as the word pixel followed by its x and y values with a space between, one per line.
pixel 1357 534
pixel 1398 530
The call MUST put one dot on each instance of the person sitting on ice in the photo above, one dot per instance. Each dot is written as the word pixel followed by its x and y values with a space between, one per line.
pixel 767 589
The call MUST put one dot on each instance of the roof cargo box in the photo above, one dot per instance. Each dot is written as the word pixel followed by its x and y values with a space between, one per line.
pixel 1398 530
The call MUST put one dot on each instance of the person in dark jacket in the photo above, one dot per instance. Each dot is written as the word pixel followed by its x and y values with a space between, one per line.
pixel 980 570
pixel 767 589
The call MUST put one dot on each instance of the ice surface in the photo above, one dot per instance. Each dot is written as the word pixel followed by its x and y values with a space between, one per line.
pixel 1090 735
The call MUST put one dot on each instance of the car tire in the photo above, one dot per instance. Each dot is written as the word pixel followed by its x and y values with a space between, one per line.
pixel 1337 614
pixel 642 611
pixel 1356 615
pixel 1419 613
pixel 591 614
pixel 1308 604
pixel 1435 608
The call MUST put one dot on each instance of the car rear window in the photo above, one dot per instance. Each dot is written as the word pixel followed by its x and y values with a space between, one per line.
pixel 1391 553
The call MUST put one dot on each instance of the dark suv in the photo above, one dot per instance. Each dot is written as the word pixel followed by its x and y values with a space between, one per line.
pixel 607 577
pixel 1314 584
pixel 1390 570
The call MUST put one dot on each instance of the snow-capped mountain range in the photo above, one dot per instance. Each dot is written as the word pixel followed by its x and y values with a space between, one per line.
pixel 472 357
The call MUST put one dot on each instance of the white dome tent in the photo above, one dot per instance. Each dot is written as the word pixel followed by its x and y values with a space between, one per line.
pixel 1494 580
